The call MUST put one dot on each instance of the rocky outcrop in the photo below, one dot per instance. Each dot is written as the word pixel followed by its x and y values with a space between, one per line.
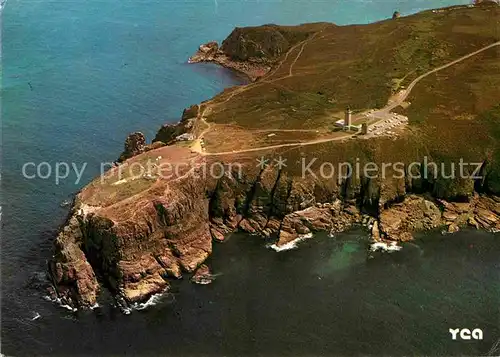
pixel 135 144
pixel 133 234
pixel 487 212
pixel 375 232
pixel 257 44
pixel 327 217
pixel 481 212
pixel 202 276
pixel 73 278
pixel 169 133
pixel 210 52
pixel 206 53
pixel 415 213
pixel 253 50
pixel 135 244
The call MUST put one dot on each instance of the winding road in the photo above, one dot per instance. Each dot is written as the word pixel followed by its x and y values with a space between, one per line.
pixel 381 113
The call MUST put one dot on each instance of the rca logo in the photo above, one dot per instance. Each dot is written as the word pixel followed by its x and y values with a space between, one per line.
pixel 466 334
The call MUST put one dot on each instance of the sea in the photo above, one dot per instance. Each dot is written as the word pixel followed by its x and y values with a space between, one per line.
pixel 78 76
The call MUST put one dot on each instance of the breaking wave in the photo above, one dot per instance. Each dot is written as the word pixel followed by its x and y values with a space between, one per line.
pixel 153 300
pixel 292 244
pixel 382 246
pixel 59 302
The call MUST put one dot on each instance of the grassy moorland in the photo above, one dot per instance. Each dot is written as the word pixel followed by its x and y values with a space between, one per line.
pixel 453 114
pixel 360 65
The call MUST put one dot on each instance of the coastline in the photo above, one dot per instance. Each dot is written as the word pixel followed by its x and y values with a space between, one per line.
pixel 210 53
pixel 112 69
pixel 166 229
pixel 195 222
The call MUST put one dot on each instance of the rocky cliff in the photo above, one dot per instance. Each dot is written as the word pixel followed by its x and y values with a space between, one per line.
pixel 253 50
pixel 134 243
pixel 155 216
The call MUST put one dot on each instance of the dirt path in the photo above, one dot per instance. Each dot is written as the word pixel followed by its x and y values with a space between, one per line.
pixel 201 114
pixel 290 71
pixel 286 130
pixel 382 113
pixel 313 142
pixel 286 57
pixel 253 85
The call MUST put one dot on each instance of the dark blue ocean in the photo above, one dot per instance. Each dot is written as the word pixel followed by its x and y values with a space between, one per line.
pixel 78 76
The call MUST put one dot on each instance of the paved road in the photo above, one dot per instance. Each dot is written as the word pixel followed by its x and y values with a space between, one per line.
pixel 403 95
pixel 381 113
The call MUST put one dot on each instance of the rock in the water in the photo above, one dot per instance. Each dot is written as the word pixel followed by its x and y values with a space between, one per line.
pixel 217 235
pixel 202 275
pixel 452 228
pixel 205 53
pixel 375 232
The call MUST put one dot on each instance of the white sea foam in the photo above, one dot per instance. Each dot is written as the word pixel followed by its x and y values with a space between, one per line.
pixel 65 203
pixel 152 301
pixel 292 244
pixel 391 247
pixel 126 310
pixel 59 302
pixel 137 306
pixel 36 316
pixel 204 282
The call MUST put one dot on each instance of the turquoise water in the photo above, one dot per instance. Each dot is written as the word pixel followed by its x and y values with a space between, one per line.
pixel 77 77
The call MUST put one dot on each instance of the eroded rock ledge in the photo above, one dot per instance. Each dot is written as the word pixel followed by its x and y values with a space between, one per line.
pixel 135 244
pixel 132 236
pixel 254 50
pixel 211 52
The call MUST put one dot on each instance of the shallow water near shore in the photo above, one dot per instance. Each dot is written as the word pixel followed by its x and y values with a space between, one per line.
pixel 77 77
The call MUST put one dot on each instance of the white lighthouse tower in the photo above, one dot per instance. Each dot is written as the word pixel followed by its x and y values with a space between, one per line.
pixel 348 119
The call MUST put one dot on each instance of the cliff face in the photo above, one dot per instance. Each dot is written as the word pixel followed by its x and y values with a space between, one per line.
pixel 253 50
pixel 264 43
pixel 135 244
pixel 132 232
pixel 169 132
pixel 72 275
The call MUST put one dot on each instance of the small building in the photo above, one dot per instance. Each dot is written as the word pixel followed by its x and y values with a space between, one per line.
pixel 185 137
pixel 340 123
